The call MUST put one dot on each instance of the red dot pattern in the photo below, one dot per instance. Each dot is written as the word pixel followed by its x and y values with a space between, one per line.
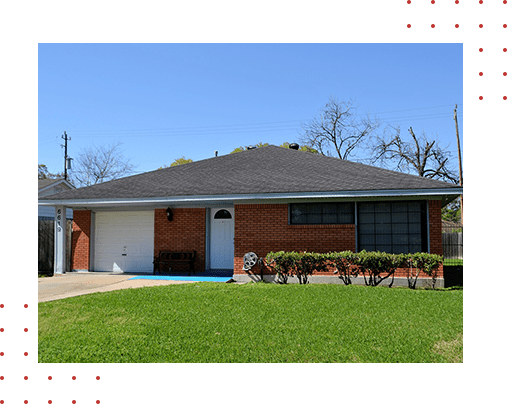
pixel 26 377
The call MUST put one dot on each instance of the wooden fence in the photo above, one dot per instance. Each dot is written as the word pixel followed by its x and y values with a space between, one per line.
pixel 47 246
pixel 453 246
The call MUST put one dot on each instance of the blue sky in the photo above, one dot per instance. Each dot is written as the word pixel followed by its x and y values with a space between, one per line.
pixel 164 101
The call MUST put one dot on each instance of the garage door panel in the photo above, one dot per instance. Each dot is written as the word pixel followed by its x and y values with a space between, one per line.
pixel 118 233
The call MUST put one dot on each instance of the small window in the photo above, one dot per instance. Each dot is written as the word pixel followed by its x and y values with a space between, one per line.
pixel 322 213
pixel 223 214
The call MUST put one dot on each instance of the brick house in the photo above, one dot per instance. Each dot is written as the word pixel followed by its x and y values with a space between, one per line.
pixel 260 200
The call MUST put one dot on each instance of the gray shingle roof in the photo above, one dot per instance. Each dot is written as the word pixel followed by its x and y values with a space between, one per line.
pixel 47 182
pixel 269 169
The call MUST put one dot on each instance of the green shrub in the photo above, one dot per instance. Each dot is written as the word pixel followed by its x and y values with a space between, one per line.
pixel 344 264
pixel 417 262
pixel 375 266
pixel 282 262
pixel 298 264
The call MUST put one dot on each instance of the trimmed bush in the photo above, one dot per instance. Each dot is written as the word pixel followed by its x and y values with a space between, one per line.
pixel 375 267
pixel 344 264
pixel 417 262
pixel 372 265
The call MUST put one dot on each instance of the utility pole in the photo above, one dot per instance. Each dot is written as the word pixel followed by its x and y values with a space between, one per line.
pixel 64 137
pixel 459 157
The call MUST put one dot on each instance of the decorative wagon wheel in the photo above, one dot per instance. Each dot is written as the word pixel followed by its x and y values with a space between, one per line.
pixel 249 260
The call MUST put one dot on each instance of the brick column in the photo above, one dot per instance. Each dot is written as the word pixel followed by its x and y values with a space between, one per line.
pixel 81 239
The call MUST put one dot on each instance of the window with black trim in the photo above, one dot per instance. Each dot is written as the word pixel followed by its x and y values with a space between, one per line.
pixel 322 213
pixel 392 227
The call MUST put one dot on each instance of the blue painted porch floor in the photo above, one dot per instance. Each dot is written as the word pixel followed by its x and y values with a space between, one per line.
pixel 184 278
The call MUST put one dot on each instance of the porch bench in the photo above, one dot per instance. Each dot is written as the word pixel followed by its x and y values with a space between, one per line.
pixel 168 257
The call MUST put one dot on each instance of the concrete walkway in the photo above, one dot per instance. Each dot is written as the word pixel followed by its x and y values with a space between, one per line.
pixel 76 284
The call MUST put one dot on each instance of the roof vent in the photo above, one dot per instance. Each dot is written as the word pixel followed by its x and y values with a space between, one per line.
pixel 294 146
pixel 251 147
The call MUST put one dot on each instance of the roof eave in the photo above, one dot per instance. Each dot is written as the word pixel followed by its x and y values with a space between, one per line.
pixel 444 193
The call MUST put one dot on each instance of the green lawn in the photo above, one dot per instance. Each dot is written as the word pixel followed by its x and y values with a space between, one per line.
pixel 453 262
pixel 216 322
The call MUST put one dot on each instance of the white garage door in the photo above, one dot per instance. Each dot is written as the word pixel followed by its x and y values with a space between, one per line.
pixel 124 241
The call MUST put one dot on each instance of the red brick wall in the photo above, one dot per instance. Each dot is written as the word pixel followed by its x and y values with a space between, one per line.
pixel 81 239
pixel 435 219
pixel 186 232
pixel 263 228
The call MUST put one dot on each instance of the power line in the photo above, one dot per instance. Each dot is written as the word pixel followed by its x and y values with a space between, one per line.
pixel 203 131
pixel 244 127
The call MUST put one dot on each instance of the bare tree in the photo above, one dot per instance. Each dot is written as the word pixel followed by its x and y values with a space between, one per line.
pixel 418 155
pixel 337 131
pixel 100 163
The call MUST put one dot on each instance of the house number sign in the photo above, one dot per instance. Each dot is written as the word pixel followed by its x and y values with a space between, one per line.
pixel 59 220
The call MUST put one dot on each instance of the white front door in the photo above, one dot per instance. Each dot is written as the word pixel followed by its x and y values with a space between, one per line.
pixel 222 238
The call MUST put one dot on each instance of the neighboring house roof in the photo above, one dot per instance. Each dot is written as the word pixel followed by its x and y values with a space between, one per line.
pixel 51 187
pixel 46 184
pixel 449 227
pixel 269 171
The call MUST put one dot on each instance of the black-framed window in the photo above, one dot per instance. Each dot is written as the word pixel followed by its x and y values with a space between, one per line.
pixel 322 213
pixel 392 227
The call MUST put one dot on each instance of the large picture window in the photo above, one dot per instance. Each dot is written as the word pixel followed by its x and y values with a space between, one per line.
pixel 392 227
pixel 322 213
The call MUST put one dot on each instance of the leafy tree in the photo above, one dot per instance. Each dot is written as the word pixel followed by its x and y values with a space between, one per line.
pixel 452 212
pixel 337 130
pixel 44 174
pixel 177 162
pixel 97 164
pixel 180 161
pixel 301 148
pixel 243 148
pixel 285 144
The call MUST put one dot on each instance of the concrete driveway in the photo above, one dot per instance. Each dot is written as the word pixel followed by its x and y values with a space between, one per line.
pixel 76 284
